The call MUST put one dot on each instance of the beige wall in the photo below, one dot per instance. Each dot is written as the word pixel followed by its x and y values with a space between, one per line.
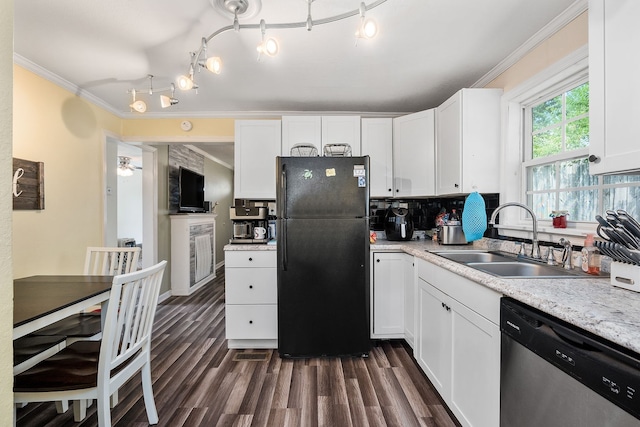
pixel 54 126
pixel 573 36
pixel 6 275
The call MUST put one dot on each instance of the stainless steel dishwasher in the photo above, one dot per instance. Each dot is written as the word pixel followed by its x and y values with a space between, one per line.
pixel 554 374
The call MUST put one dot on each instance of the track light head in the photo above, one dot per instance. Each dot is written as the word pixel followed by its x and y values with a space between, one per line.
pixel 185 82
pixel 214 64
pixel 139 106
pixel 166 101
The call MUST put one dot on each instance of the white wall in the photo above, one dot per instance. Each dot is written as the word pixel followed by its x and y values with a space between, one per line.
pixel 130 206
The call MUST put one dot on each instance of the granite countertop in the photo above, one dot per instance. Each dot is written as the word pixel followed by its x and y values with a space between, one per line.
pixel 592 304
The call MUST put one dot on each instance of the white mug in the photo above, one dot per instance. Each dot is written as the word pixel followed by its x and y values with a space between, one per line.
pixel 259 232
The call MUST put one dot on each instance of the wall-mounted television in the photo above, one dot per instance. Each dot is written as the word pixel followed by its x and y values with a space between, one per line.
pixel 191 186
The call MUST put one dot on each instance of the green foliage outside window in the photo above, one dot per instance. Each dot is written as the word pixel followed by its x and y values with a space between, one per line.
pixel 561 123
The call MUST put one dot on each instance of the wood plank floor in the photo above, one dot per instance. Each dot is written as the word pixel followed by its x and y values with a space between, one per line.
pixel 199 382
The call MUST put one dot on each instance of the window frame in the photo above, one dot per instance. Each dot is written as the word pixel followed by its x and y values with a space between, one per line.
pixel 565 73
pixel 529 161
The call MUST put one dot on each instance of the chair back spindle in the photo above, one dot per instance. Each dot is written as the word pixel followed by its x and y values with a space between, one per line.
pixel 106 261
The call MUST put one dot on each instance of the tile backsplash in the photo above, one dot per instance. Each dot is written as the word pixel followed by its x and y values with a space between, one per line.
pixel 424 211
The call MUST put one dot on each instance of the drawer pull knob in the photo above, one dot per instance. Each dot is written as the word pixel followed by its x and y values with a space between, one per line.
pixel 250 322
pixel 250 286
pixel 377 260
pixel 250 259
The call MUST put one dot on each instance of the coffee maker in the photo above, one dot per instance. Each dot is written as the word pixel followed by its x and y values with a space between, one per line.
pixel 250 221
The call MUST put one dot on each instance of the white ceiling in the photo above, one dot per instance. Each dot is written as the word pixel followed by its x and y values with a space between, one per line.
pixel 425 51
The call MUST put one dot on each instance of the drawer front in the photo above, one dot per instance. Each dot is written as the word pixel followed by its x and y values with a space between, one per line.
pixel 251 286
pixel 251 321
pixel 244 259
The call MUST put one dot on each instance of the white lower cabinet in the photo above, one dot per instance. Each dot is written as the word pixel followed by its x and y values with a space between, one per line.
pixel 387 296
pixel 458 343
pixel 251 299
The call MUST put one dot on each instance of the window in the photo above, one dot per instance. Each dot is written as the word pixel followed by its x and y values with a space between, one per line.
pixel 556 166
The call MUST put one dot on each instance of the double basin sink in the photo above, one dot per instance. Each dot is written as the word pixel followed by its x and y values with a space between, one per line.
pixel 508 265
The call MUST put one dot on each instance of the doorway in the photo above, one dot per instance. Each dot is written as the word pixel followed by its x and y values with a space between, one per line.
pixel 131 201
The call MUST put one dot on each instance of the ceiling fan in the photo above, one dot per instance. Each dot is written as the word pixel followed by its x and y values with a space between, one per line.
pixel 125 168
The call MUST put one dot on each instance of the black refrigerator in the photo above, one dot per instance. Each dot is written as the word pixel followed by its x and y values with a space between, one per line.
pixel 323 256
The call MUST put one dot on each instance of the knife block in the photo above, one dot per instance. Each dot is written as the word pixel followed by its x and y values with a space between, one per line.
pixel 625 276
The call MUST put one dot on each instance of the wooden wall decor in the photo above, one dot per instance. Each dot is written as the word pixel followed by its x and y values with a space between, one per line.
pixel 28 185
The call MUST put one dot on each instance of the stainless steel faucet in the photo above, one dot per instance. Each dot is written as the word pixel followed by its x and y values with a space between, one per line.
pixel 567 253
pixel 535 248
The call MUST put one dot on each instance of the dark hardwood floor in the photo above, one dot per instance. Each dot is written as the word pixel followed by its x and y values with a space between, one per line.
pixel 199 382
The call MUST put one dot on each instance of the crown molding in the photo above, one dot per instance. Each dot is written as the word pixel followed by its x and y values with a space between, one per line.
pixel 559 22
pixel 63 83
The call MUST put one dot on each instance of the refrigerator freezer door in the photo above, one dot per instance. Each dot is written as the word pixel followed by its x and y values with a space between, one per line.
pixel 323 287
pixel 323 187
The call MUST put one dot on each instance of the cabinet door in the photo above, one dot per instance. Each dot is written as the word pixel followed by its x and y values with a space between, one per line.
pixel 475 368
pixel 257 143
pixel 388 295
pixel 342 129
pixel 377 143
pixel 301 130
pixel 409 299
pixel 449 149
pixel 613 70
pixel 433 336
pixel 413 154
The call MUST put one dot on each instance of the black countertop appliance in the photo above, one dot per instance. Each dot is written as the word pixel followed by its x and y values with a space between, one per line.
pixel 398 224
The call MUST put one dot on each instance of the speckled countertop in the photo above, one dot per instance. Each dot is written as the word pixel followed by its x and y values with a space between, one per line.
pixel 592 304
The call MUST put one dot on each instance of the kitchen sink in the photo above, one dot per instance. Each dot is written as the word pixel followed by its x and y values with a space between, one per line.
pixel 508 265
pixel 520 269
pixel 474 256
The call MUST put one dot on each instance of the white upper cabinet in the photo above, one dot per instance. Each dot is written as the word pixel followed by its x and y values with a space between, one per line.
pixel 377 143
pixel 614 37
pixel 468 142
pixel 413 154
pixel 342 130
pixel 257 143
pixel 301 130
pixel 320 130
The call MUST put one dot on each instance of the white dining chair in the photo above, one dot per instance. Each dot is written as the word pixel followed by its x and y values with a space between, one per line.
pixel 88 370
pixel 99 261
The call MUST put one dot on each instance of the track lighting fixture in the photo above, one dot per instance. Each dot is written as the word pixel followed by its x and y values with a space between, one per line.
pixel 166 101
pixel 214 64
pixel 368 27
pixel 268 46
pixel 140 106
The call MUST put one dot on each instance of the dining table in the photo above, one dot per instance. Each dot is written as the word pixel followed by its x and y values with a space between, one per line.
pixel 39 301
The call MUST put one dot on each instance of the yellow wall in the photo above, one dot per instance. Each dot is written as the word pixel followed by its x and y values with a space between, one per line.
pixel 54 126
pixel 573 36
pixel 164 128
pixel 6 276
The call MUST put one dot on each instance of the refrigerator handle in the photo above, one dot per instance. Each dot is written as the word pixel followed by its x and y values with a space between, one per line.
pixel 283 191
pixel 282 240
